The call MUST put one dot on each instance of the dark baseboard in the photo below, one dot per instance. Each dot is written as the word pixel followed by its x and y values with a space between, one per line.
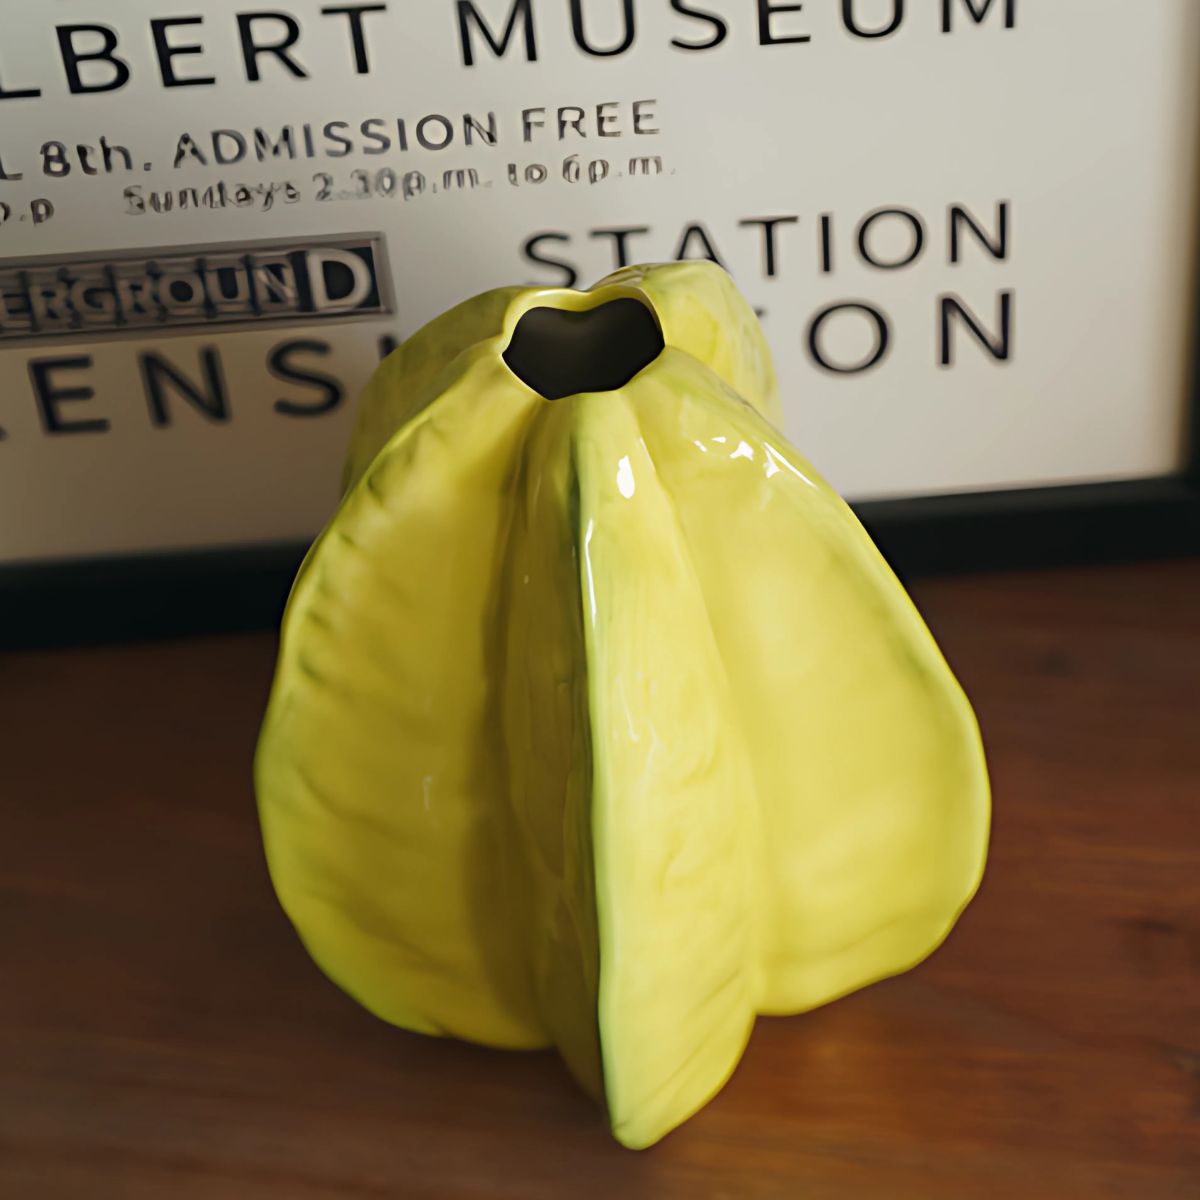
pixel 1037 527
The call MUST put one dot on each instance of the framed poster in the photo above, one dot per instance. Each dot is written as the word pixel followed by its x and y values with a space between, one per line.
pixel 968 227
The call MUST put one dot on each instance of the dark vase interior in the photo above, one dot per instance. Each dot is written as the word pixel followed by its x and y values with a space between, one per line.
pixel 559 353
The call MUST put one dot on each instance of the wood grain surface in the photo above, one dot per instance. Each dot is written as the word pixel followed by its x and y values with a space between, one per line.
pixel 163 1034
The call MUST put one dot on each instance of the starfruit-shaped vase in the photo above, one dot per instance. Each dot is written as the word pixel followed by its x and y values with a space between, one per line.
pixel 599 722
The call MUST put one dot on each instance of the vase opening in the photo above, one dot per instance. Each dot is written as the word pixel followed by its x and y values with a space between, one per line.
pixel 560 353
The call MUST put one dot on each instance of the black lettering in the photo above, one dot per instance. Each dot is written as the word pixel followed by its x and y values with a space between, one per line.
pixel 332 132
pixel 223 156
pixel 638 117
pixel 280 364
pixel 531 119
pixel 698 233
pixel 380 143
pixel 71 58
pixel 768 225
pixel 573 122
pixel 488 132
pixel 447 131
pixel 882 336
pixel 1000 347
pixel 720 29
pixel 531 246
pixel 620 237
pixel 54 159
pixel 606 121
pixel 50 395
pixel 110 152
pixel 187 147
pixel 997 247
pixel 251 49
pixel 826 243
pixel 283 147
pixel 19 94
pixel 915 247
pixel 166 52
pixel 767 9
pixel 358 43
pixel 388 343
pixel 852 26
pixel 1010 13
pixel 580 35
pixel 159 374
pixel 520 10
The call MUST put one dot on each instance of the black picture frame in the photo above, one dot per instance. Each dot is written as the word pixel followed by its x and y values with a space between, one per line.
pixel 172 594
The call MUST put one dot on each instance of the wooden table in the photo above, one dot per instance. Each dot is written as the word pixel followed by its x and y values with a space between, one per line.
pixel 163 1035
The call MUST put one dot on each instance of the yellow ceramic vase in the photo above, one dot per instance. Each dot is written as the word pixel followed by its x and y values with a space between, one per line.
pixel 599 722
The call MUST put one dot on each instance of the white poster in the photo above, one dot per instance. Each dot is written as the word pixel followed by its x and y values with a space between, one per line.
pixel 967 226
